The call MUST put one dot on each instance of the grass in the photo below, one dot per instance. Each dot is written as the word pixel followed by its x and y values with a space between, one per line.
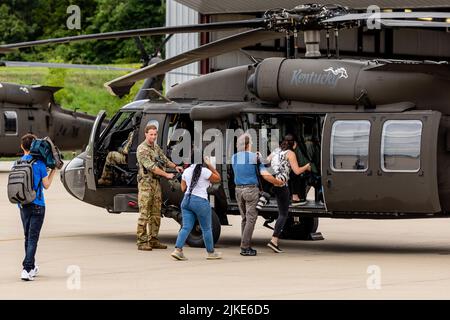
pixel 82 89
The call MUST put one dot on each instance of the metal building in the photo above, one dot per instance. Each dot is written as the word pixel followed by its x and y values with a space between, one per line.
pixel 178 14
pixel 388 43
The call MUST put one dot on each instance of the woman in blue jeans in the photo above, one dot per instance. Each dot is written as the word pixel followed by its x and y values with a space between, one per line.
pixel 195 205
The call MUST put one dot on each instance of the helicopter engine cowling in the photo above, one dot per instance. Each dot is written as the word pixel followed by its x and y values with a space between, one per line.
pixel 321 81
pixel 343 82
pixel 26 95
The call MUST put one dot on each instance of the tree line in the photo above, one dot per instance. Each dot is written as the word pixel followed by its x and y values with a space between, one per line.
pixel 26 20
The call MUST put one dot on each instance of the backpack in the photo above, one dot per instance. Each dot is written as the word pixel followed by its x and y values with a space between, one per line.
pixel 20 182
pixel 45 150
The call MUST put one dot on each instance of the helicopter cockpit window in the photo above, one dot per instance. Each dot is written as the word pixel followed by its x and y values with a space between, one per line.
pixel 123 121
pixel 350 145
pixel 400 145
pixel 10 122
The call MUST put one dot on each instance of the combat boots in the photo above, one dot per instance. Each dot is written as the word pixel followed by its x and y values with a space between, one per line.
pixel 155 244
pixel 145 247
pixel 104 182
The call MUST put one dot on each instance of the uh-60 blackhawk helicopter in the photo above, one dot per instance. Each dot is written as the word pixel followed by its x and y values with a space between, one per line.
pixel 32 109
pixel 381 127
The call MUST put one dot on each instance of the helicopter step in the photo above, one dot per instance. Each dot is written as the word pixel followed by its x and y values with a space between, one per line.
pixel 125 203
pixel 311 207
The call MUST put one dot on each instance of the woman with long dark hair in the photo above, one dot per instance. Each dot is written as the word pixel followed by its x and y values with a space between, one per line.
pixel 282 161
pixel 195 205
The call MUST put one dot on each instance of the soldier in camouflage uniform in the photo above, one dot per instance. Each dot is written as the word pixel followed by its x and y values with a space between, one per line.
pixel 151 161
pixel 115 157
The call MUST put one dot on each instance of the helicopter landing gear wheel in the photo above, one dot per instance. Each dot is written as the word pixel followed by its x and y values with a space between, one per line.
pixel 195 238
pixel 304 229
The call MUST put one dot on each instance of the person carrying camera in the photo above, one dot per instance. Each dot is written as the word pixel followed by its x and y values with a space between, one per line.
pixel 32 214
pixel 151 160
pixel 245 168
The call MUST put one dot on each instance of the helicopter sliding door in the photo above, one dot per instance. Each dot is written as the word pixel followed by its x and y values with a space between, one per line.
pixel 90 151
pixel 373 162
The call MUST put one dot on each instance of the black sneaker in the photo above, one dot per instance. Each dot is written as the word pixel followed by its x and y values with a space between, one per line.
pixel 248 252
pixel 274 247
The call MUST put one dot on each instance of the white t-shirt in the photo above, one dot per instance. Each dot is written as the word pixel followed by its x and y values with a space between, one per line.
pixel 200 190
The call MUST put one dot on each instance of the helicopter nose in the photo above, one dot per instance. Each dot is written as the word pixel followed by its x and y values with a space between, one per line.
pixel 72 177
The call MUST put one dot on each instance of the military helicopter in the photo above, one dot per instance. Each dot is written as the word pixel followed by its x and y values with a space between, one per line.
pixel 32 109
pixel 381 127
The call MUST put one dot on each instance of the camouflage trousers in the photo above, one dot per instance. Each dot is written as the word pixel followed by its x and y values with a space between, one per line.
pixel 112 158
pixel 149 199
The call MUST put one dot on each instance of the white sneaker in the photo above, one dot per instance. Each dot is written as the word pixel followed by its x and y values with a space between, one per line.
pixel 26 276
pixel 178 255
pixel 34 272
pixel 214 255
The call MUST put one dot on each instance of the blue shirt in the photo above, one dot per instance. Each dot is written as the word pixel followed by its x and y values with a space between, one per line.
pixel 39 173
pixel 244 167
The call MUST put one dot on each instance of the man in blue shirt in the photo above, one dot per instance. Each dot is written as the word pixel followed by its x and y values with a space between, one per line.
pixel 245 168
pixel 32 214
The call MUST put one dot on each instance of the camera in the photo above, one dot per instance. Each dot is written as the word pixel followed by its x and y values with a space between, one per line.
pixel 263 199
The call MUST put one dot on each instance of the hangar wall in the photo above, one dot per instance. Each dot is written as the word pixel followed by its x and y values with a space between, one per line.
pixel 404 44
pixel 178 14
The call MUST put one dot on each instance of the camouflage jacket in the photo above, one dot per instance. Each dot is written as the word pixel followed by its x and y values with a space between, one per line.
pixel 149 157
pixel 126 145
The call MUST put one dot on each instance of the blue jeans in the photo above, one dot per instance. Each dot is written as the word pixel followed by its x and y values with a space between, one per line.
pixel 32 219
pixel 192 209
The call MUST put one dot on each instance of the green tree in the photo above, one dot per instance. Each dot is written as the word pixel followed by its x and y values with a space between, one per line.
pixel 115 15
pixel 25 20
pixel 13 29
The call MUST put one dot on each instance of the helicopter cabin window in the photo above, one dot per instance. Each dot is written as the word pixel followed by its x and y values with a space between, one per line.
pixel 350 145
pixel 270 129
pixel 400 145
pixel 10 122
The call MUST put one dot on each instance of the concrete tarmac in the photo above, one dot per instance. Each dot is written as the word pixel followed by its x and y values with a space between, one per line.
pixel 86 253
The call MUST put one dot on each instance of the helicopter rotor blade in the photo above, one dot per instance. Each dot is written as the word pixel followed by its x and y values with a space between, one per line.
pixel 122 85
pixel 414 23
pixel 388 15
pixel 205 27
pixel 61 65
